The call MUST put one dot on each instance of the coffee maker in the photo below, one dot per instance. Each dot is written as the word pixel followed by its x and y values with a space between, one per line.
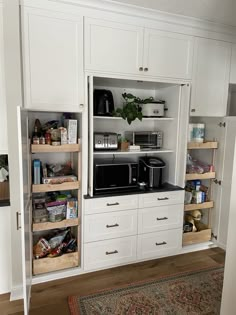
pixel 150 171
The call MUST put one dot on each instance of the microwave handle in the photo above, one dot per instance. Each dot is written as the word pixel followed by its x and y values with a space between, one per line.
pixel 130 174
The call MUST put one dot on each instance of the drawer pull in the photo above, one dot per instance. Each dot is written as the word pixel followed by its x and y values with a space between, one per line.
pixel 111 253
pixel 111 226
pixel 160 219
pixel 162 243
pixel 165 198
pixel 113 204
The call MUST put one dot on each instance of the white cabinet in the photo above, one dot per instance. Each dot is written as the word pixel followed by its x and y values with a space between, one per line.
pixel 161 199
pixel 210 77
pixel 232 78
pixel 3 109
pixel 52 60
pixel 167 54
pixel 130 49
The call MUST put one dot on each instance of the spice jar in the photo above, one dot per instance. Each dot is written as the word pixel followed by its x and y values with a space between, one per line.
pixel 48 137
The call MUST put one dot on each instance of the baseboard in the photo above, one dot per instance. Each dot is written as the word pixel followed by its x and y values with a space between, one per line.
pixel 16 293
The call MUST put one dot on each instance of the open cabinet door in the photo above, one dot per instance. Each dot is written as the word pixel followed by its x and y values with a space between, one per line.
pixel 25 204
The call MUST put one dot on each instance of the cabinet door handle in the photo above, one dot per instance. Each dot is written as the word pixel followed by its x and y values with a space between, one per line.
pixel 193 110
pixel 111 226
pixel 145 69
pixel 162 243
pixel 111 253
pixel 113 204
pixel 140 68
pixel 18 221
pixel 165 198
pixel 160 219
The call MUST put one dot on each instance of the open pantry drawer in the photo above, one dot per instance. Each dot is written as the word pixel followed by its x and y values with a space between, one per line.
pixel 44 265
pixel 196 237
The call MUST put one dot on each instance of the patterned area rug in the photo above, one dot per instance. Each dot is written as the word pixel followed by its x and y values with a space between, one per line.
pixel 184 294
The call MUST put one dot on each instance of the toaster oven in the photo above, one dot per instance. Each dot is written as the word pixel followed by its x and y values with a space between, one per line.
pixel 146 139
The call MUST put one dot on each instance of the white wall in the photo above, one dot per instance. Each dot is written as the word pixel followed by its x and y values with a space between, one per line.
pixel 222 11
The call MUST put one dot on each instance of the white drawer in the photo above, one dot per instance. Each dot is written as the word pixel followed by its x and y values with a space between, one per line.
pixel 160 218
pixel 99 205
pixel 159 244
pixel 161 199
pixel 110 225
pixel 109 253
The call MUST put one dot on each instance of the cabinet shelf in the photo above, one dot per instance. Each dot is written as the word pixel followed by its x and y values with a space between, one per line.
pixel 118 152
pixel 56 187
pixel 46 148
pixel 44 265
pixel 196 237
pixel 204 205
pixel 144 118
pixel 203 145
pixel 209 175
pixel 55 225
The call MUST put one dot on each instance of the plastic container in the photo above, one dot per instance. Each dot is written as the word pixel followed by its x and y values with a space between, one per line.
pixel 198 132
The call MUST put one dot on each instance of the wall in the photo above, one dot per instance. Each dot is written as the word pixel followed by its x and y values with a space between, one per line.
pixel 211 10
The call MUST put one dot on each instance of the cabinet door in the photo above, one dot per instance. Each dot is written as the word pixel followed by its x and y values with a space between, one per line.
pixel 3 114
pixel 25 221
pixel 167 54
pixel 232 78
pixel 52 60
pixel 113 47
pixel 210 78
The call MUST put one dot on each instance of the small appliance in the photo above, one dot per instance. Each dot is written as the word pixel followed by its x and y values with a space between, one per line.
pixel 153 109
pixel 103 102
pixel 105 141
pixel 115 176
pixel 150 171
pixel 150 140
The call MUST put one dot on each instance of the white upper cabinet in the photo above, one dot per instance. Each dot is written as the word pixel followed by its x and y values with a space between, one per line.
pixel 167 54
pixel 3 108
pixel 128 49
pixel 232 78
pixel 52 60
pixel 113 47
pixel 210 78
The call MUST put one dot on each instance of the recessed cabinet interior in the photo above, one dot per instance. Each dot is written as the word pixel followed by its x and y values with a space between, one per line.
pixel 211 69
pixel 136 50
pixel 52 60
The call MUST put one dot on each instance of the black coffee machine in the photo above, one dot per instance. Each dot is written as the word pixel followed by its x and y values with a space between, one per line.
pixel 150 171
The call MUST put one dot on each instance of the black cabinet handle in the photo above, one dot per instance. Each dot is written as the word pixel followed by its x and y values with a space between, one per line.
pixel 160 219
pixel 113 204
pixel 162 243
pixel 145 69
pixel 111 253
pixel 165 198
pixel 111 226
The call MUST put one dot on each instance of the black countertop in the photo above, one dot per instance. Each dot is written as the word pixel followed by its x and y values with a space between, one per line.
pixel 165 187
pixel 4 203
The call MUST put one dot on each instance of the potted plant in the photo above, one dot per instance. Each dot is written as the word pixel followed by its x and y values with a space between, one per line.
pixel 132 107
pixel 123 143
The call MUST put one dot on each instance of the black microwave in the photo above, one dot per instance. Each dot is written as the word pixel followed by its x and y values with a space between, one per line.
pixel 114 176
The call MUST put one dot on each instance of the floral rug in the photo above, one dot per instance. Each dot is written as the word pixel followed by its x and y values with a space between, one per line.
pixel 183 294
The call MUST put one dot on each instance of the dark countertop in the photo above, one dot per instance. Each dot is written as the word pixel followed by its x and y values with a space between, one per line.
pixel 4 203
pixel 165 187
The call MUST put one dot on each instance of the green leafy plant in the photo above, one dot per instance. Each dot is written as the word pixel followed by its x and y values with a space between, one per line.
pixel 131 108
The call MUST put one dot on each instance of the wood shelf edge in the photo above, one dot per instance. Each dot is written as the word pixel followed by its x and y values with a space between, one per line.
pixel 202 145
pixel 209 175
pixel 196 237
pixel 46 148
pixel 204 205
pixel 55 187
pixel 55 225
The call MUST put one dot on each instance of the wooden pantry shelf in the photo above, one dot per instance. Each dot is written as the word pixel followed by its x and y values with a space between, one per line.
pixel 196 237
pixel 203 145
pixel 55 225
pixel 209 175
pixel 44 265
pixel 195 206
pixel 56 187
pixel 46 148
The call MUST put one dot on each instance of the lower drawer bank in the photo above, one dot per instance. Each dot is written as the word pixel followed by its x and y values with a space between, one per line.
pixel 128 229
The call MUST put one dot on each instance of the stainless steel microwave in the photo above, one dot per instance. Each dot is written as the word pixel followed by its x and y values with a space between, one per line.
pixel 111 176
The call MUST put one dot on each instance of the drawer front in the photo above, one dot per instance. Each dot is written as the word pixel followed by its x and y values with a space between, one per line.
pixel 110 225
pixel 160 218
pixel 109 253
pixel 99 205
pixel 159 244
pixel 161 199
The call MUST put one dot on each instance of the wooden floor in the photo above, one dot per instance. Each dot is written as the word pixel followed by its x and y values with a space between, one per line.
pixel 51 298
